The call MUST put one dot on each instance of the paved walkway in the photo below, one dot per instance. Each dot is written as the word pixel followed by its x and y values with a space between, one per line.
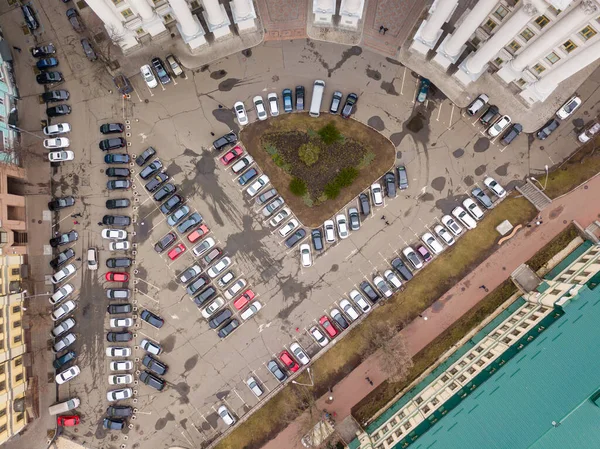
pixel 579 205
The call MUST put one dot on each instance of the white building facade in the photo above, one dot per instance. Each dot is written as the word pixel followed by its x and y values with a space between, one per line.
pixel 532 45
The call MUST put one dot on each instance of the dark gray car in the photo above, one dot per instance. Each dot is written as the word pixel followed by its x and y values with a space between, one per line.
pixel 489 115
pixel 220 318
pixel 402 177
pixel 154 365
pixel 295 238
pixel 353 219
pixel 152 381
pixel 365 206
pixel 116 220
pixel 482 197
pixel 390 184
pixel 402 269
pixel 224 141
pixel 263 198
pixel 88 50
pixel 317 239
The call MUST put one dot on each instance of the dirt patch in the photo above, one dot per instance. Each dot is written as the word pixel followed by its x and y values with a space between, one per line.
pixel 288 132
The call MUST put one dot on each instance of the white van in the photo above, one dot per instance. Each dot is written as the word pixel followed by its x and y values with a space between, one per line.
pixel 63 407
pixel 317 96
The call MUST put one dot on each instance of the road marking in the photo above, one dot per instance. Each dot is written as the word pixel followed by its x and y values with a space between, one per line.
pixel 439 112
pixel 402 85
pixel 146 282
pixel 142 293
pixel 451 115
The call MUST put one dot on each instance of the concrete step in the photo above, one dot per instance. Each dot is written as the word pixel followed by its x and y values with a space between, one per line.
pixel 538 198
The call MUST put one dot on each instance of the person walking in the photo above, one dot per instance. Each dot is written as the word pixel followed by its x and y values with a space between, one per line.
pixel 484 288
pixel 381 28
pixel 384 30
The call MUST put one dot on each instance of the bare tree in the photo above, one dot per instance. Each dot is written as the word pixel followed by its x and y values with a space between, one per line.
pixel 310 414
pixel 392 355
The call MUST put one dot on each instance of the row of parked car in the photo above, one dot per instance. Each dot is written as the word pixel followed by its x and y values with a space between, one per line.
pixel 158 69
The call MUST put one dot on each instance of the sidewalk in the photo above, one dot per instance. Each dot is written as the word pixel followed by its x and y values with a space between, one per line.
pixel 579 205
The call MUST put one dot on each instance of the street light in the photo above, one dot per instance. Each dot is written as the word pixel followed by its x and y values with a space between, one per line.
pixel 312 382
pixel 25 131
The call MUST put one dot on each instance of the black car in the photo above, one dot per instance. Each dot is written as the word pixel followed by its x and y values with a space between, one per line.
pixel 64 359
pixel 55 95
pixel 74 20
pixel 118 262
pixel 204 296
pixel 43 50
pixel 369 291
pixel 340 320
pixel 171 204
pixel 222 142
pixel 189 222
pixel 299 98
pixel 547 129
pixel 317 239
pixel 57 111
pixel 292 240
pixel 118 184
pixel 115 309
pixel 49 77
pixel 62 258
pixel 248 176
pixel 152 319
pixel 489 115
pixel 365 206
pixel 29 17
pixel 113 143
pixel 119 203
pixel 336 101
pixel 154 365
pixel 61 203
pixel 117 158
pixel 229 327
pixel 116 337
pixel 118 172
pixel 145 156
pixel 156 182
pixel 112 128
pixel 88 50
pixel 511 134
pixel 165 242
pixel 113 424
pixel 197 285
pixel 220 318
pixel 116 220
pixel 389 182
pixel 63 239
pixel 402 269
pixel 119 411
pixel 351 100
pixel 151 169
pixel 276 371
pixel 152 381
pixel 159 67
pixel 164 192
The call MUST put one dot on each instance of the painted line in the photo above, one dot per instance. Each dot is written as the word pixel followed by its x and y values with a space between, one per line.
pixel 439 112
pixel 402 85
pixel 451 115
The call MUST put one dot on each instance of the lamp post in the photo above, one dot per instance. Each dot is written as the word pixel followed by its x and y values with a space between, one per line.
pixel 312 382
pixel 25 131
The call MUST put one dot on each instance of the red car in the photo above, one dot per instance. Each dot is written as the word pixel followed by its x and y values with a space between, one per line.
pixel 113 276
pixel 177 251
pixel 241 302
pixel 198 233
pixel 232 155
pixel 67 420
pixel 324 321
pixel 289 361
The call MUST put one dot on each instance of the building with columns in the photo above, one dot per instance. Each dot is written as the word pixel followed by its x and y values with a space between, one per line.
pixel 529 45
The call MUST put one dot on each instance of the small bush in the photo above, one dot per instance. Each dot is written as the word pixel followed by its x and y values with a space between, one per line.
pixel 330 134
pixel 309 154
pixel 366 160
pixel 270 149
pixel 332 190
pixel 298 187
pixel 346 177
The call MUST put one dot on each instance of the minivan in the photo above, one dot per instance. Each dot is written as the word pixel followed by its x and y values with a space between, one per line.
pixel 317 97
pixel 489 115
pixel 65 406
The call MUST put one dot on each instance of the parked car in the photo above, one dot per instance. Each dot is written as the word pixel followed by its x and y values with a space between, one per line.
pixel 228 328
pixel 280 216
pixel 511 134
pixel 116 309
pixel 412 257
pixel 120 394
pixel 49 77
pixel 452 225
pixel 548 128
pixel 61 203
pixel 289 362
pixel 432 243
pixel 198 233
pixel 150 346
pixel 154 365
pixel 342 226
pixel 118 262
pixel 61 294
pixel 231 155
pixel 360 301
pixel 152 381
pixel 88 50
pixel 477 104
pixel 481 196
pixel 590 131
pixel 253 385
pixel 248 176
pixel 119 337
pixel 242 164
pixel 114 423
pixel 119 411
pixel 276 371
pixel 337 316
pixel 114 234
pixel 64 239
pixel 64 359
pixel 63 274
pixel 174 65
pixel 268 210
pixel 220 318
pixel 299 98
pixel 244 299
pixel 119 203
pixel 156 182
pixel 363 201
pixel 116 158
pixel 58 111
pixel 92 259
pixel 444 235
pixel 383 287
pixel 75 20
pixel 116 220
pixel 121 365
pixel 120 322
pixel 368 290
pixel 152 319
pixel 114 143
pixel 224 414
pixel 288 102
pixel 266 196
pixel 177 215
pixel 43 50
pixel 197 285
pixel 353 218
pixel 273 104
pixel 473 209
pixel 147 154
pixel 59 128
pixel 257 185
pixel 489 115
pixel 329 231
pixel 401 268
pixel 299 354
pixel 288 227
pixel 30 19
pixel 224 141
pixel 67 375
pixel 226 279
pixel 350 311
pixel 218 268
pixel 569 107
pixel 317 239
pixel 118 293
pixel 171 204
pixel 351 100
pixel 423 90
pixel 151 169
pixel 62 258
pixel 259 106
pixel 251 310
pixel 63 327
pixel 394 281
pixel 389 180
pixel 336 101
pixel 213 307
pixel 321 339
pixel 464 217
pixel 159 67
pixel 377 194
pixel 53 96
pixel 499 126
pixel 46 63
pixel 305 255
pixel 114 276
pixel 61 156
pixel 63 343
pixel 203 247
pixel 148 76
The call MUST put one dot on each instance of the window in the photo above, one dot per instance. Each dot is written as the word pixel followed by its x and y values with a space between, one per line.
pixel 127 13
pixel 569 46
pixel 20 417
pixel 542 21
pixel 16 309
pixel 168 18
pixel 527 34
pixel 587 33
pixel 501 12
pixel 16 324
pixel 2 369
pixel 140 31
pixel 554 11
pixel 538 68
pixel 490 25
pixel 3 428
pixel 1 344
pixel 19 361
pixel 498 61
pixel 3 385
pixel 117 2
pixel 552 58
pixel 513 47
pixel 19 377
pixel 15 271
pixel 17 339
pixel 2 412
pixel 521 82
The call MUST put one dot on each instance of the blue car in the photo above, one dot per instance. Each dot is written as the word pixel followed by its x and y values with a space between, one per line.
pixel 64 359
pixel 288 102
pixel 117 158
pixel 423 89
pixel 46 63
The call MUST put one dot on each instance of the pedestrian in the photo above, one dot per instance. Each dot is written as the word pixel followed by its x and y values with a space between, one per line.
pixel 371 382
pixel 212 134
pixel 220 106
pixel 78 214
pixel 528 225
pixel 78 259
pixel 384 30
pixel 331 389
pixel 383 217
pixel 538 222
pixel 368 379
pixel 484 288
pixel 18 49
pixel 75 222
pixel 387 222
pixel 99 223
pixel 381 29
pixel 73 215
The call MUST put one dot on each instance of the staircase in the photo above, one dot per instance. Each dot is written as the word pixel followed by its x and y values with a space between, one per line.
pixel 538 198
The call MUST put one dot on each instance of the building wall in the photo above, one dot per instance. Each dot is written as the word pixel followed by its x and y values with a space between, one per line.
pixel 12 210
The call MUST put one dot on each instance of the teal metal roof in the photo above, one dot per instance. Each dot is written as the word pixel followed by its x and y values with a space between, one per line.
pixel 550 381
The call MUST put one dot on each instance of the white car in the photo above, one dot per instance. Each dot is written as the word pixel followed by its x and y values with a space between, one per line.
pixel 348 309
pixel 240 112
pixel 251 310
pixel 360 301
pixel 305 255
pixel 254 388
pixel 318 336
pixel 121 322
pixel 212 307
pixel 57 142
pixel 377 194
pixel 122 245
pixel 225 279
pixel 257 185
pixel 59 128
pixel 590 132
pixel 299 353
pixel 63 327
pixel 412 257
pixel 464 218
pixel 62 311
pixel 569 107
pixel 63 273
pixel 499 126
pixel 61 294
pixel 342 226
pixel 473 209
pixel 67 375
pixel 117 395
pixel 494 187
pixel 273 104
pixel 392 279
pixel 432 243
pixel 114 234
pixel 118 351
pixel 451 224
pixel 259 105
pixel 443 233
pixel 121 365
pixel 240 165
pixel 63 343
pixel 92 259
pixel 120 379
pixel 203 246
pixel 235 289
pixel 382 286
pixel 227 418
pixel 61 156
pixel 329 231
pixel 148 76
pixel 150 346
pixel 218 268
pixel 289 227
pixel 281 215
